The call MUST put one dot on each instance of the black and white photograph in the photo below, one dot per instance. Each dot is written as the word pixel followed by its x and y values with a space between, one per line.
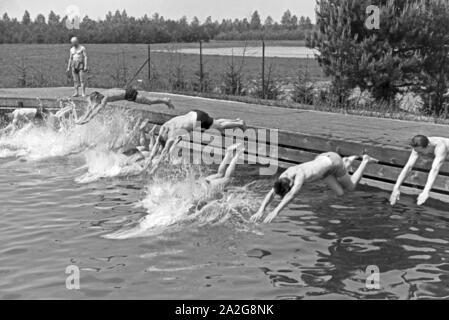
pixel 232 153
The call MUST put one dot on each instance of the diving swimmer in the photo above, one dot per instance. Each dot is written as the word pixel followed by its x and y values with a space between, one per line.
pixel 436 147
pixel 38 116
pixel 170 131
pixel 97 101
pixel 329 167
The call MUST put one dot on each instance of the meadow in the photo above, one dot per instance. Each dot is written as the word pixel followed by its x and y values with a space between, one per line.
pixel 40 65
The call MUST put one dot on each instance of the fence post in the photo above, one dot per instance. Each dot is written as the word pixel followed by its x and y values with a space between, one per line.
pixel 149 65
pixel 263 69
pixel 201 66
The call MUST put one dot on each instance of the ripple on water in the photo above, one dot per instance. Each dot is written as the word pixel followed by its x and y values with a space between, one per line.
pixel 415 237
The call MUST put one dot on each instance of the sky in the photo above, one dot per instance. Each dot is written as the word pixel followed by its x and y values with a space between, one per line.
pixel 174 9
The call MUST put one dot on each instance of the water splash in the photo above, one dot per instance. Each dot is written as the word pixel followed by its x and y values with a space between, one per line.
pixel 172 204
pixel 107 164
pixel 32 142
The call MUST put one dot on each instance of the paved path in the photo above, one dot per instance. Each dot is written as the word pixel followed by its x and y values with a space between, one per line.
pixel 356 128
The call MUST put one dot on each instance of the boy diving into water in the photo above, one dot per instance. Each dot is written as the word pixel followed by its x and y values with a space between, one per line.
pixel 38 116
pixel 171 131
pixel 329 167
pixel 423 146
pixel 223 176
pixel 97 101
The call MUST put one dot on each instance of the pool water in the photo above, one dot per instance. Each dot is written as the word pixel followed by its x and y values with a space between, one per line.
pixel 133 237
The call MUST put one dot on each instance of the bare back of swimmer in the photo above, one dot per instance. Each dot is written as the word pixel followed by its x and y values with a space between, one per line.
pixel 329 167
pixel 170 131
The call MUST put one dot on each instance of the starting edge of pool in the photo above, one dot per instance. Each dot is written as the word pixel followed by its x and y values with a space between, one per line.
pixel 298 147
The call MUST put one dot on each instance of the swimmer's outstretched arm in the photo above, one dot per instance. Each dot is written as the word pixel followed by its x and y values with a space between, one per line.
pixel 168 149
pixel 154 152
pixel 299 180
pixel 395 195
pixel 268 199
pixel 92 112
pixel 158 146
pixel 440 157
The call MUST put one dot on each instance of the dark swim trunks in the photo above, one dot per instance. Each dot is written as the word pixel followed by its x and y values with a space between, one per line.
pixel 131 94
pixel 78 66
pixel 205 120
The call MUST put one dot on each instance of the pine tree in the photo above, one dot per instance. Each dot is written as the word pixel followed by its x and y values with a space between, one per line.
pixel 26 20
pixel 408 52
pixel 255 23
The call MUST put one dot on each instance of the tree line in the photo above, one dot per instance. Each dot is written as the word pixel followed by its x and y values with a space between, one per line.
pixel 118 27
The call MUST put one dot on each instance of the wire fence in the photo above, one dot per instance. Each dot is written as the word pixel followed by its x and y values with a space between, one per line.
pixel 258 69
pixel 240 71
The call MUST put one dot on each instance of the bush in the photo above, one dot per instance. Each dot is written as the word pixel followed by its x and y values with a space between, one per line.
pixel 409 102
pixel 359 98
pixel 232 83
pixel 303 89
pixel 271 89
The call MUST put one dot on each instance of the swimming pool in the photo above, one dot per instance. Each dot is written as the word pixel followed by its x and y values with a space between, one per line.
pixel 117 232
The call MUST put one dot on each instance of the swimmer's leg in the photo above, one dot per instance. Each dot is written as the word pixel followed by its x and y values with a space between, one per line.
pixel 223 166
pixel 351 182
pixel 231 168
pixel 333 183
pixel 82 83
pixel 223 124
pixel 149 101
pixel 76 82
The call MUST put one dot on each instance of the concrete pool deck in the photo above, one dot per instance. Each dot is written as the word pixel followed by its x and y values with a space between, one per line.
pixel 302 133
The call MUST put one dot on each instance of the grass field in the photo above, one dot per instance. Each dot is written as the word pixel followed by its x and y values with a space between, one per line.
pixel 111 65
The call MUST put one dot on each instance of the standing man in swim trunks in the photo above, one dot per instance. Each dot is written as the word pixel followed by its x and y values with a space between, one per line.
pixel 170 131
pixel 97 101
pixel 329 167
pixel 78 65
pixel 423 146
